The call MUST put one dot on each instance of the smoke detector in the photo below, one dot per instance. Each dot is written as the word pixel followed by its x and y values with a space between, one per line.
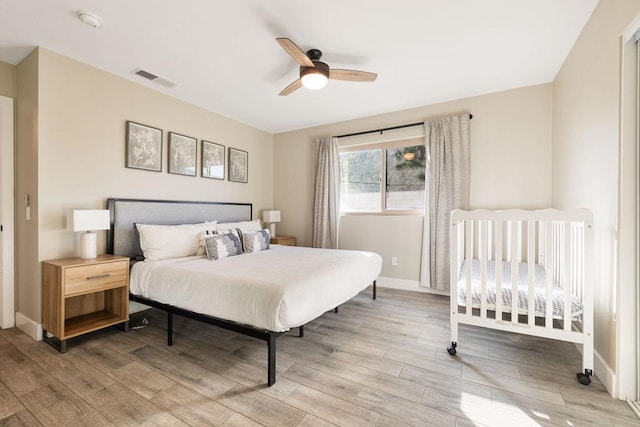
pixel 90 19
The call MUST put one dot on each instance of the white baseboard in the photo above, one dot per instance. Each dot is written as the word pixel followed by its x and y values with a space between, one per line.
pixel 28 326
pixel 406 285
pixel 606 375
pixel 635 407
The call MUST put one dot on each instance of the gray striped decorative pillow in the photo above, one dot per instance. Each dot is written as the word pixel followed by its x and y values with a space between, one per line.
pixel 255 241
pixel 222 246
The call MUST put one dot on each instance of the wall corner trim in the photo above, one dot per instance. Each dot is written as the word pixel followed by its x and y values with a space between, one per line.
pixel 28 326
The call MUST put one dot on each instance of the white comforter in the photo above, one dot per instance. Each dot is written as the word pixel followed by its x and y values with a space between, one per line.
pixel 276 289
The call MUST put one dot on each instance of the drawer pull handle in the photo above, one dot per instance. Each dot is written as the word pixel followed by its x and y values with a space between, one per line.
pixel 99 276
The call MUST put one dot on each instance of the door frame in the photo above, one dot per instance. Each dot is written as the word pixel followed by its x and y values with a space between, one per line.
pixel 7 190
pixel 627 286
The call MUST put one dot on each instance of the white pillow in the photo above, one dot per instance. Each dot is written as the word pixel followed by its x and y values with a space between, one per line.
pixel 242 225
pixel 170 241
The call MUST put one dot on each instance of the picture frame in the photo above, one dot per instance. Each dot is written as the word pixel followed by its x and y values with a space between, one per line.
pixel 212 161
pixel 238 165
pixel 182 154
pixel 143 147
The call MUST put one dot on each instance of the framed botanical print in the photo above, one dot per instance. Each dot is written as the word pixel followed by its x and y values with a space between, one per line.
pixel 182 154
pixel 144 147
pixel 212 160
pixel 238 165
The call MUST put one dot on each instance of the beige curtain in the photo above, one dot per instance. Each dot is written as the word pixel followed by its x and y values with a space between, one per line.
pixel 447 142
pixel 326 197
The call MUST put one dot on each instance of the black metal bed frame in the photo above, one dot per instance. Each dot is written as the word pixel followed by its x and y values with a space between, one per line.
pixel 262 334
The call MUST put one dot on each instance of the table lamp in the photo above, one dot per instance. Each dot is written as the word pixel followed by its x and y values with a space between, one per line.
pixel 89 221
pixel 271 218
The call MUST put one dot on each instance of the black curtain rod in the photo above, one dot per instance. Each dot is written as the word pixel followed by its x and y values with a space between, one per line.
pixel 386 129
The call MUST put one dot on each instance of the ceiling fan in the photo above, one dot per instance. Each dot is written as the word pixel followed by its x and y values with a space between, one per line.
pixel 314 74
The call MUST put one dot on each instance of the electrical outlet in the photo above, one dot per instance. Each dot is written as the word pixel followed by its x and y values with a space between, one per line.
pixel 394 261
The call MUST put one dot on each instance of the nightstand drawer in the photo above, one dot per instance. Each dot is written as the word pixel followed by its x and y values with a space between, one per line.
pixel 90 278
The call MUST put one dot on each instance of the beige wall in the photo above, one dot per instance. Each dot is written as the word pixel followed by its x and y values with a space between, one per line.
pixel 8 80
pixel 510 167
pixel 81 154
pixel 585 148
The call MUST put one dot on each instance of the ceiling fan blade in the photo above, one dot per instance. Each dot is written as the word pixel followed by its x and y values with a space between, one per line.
pixel 352 75
pixel 295 52
pixel 291 88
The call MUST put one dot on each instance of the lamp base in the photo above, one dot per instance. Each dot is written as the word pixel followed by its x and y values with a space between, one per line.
pixel 88 243
pixel 272 229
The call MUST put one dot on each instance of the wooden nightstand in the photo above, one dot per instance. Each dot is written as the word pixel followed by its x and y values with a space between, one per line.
pixel 283 240
pixel 83 295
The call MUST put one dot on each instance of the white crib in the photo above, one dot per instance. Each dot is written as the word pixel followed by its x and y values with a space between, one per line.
pixel 543 257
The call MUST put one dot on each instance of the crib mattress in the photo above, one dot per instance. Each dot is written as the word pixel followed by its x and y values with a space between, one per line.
pixel 540 303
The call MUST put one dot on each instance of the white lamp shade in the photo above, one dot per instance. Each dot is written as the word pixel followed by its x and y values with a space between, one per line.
pixel 90 220
pixel 271 216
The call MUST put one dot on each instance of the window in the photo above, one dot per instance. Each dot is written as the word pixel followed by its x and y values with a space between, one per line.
pixel 386 177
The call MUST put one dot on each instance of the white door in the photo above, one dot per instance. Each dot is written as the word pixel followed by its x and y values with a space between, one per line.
pixel 7 282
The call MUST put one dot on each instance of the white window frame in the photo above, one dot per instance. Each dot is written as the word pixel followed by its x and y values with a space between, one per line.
pixel 409 142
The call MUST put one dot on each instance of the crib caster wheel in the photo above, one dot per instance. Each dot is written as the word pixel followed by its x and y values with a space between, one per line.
pixel 452 348
pixel 584 377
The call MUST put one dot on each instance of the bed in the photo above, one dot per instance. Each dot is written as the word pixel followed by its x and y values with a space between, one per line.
pixel 263 294
pixel 541 257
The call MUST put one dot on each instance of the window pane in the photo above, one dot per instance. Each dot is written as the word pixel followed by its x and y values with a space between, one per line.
pixel 360 181
pixel 405 178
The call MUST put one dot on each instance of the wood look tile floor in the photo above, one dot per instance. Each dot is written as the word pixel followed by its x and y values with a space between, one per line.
pixel 375 363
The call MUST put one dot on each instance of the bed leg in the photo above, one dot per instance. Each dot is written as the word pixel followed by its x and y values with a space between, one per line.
pixel 452 348
pixel 271 368
pixel 169 328
pixel 301 331
pixel 374 289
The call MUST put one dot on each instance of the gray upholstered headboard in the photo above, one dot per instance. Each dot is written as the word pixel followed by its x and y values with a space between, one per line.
pixel 126 212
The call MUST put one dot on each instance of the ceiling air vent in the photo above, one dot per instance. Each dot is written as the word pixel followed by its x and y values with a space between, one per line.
pixel 154 78
pixel 164 82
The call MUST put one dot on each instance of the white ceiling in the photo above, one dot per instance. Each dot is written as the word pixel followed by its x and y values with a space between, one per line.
pixel 224 57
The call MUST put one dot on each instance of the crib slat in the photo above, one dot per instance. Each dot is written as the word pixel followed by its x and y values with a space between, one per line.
pixel 541 246
pixel 509 240
pixel 490 250
pixel 513 265
pixel 498 267
pixel 468 234
pixel 587 295
pixel 567 276
pixel 519 231
pixel 531 268
pixel 549 268
pixel 454 271
pixel 483 267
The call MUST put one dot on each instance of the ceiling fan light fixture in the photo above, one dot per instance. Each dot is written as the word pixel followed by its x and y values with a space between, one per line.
pixel 314 81
pixel 315 78
pixel 409 156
